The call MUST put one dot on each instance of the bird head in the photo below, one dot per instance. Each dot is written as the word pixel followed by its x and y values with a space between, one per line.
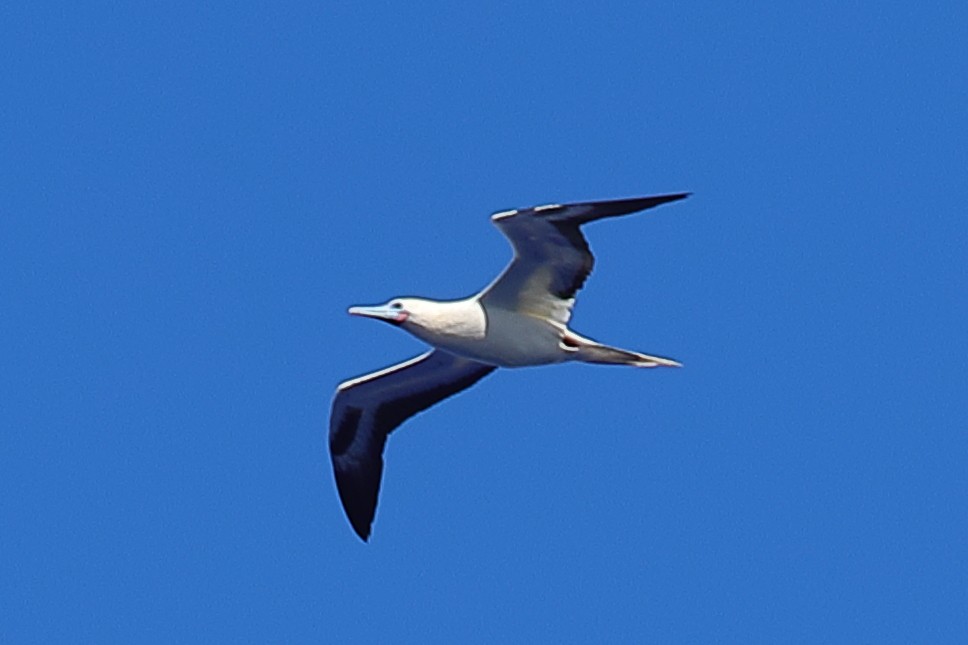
pixel 405 312
pixel 432 321
pixel 394 312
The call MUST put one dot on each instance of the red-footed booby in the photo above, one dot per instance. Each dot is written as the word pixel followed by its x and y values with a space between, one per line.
pixel 520 319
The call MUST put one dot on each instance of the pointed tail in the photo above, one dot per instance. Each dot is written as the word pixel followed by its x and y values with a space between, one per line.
pixel 592 352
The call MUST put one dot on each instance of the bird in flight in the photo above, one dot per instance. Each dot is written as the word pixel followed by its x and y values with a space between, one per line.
pixel 520 319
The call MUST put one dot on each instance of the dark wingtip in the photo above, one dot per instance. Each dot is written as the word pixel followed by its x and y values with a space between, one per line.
pixel 663 199
pixel 614 207
pixel 626 206
pixel 363 533
pixel 361 526
pixel 674 197
pixel 358 492
pixel 361 521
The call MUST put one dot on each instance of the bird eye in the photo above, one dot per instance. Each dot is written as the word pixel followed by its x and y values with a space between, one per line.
pixel 396 305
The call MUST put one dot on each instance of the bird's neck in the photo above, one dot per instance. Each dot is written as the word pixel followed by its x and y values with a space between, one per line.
pixel 457 318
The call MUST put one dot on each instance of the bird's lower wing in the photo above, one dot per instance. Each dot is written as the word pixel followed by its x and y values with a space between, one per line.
pixel 367 409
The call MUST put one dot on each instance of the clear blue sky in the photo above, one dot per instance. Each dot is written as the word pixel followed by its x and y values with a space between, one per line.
pixel 191 196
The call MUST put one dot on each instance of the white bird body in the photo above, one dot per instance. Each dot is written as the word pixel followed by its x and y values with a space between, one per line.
pixel 494 336
pixel 520 319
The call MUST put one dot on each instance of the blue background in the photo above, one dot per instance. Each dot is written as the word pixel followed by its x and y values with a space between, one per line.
pixel 192 194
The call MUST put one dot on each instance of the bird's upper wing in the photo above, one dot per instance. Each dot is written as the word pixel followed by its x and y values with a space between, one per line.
pixel 368 408
pixel 551 257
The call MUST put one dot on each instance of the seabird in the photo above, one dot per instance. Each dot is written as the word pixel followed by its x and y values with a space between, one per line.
pixel 520 319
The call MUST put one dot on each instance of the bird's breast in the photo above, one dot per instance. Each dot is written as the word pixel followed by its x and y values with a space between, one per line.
pixel 512 339
pixel 491 335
